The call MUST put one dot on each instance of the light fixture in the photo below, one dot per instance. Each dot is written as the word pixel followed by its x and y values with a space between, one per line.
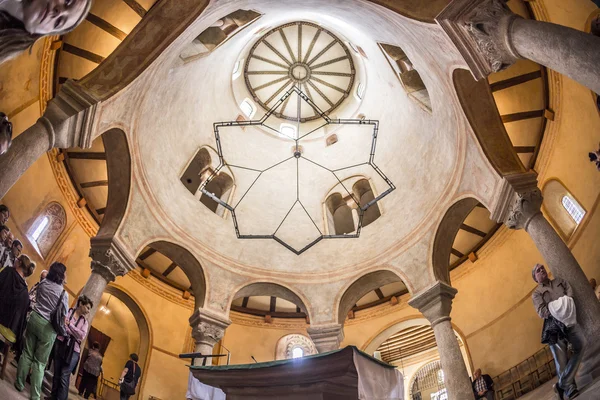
pixel 298 155
pixel 104 309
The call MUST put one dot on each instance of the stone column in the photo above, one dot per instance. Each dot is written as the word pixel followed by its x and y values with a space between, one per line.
pixel 108 262
pixel 207 329
pixel 435 303
pixel 67 122
pixel 326 337
pixel 491 38
pixel 519 207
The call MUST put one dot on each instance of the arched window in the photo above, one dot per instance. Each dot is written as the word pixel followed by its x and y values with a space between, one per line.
pixel 248 108
pixel 563 210
pixel 288 131
pixel 428 383
pixel 364 193
pixel 297 352
pixel 198 171
pixel 294 346
pixel 47 228
pixel 339 215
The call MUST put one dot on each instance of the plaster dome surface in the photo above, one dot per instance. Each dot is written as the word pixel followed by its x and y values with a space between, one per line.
pixel 421 152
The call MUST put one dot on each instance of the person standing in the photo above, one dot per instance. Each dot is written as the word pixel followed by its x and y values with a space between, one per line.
pixel 40 335
pixel 68 348
pixel 4 214
pixel 130 377
pixel 9 257
pixel 91 370
pixel 553 301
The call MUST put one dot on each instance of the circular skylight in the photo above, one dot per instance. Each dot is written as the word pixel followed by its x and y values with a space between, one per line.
pixel 304 55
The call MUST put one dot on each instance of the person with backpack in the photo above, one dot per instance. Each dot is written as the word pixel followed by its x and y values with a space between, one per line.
pixel 130 377
pixel 52 304
pixel 68 347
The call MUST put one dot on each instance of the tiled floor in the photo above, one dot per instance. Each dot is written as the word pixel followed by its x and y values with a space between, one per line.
pixel 8 392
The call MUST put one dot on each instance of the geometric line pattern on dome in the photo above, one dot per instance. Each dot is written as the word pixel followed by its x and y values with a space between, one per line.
pixel 308 56
pixel 263 122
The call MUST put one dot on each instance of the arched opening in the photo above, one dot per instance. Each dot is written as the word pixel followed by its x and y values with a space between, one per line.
pixel 175 266
pixel 562 208
pixel 270 300
pixel 375 282
pixel 410 346
pixel 464 229
pixel 364 193
pixel 294 346
pixel 339 216
pixel 202 168
pixel 121 328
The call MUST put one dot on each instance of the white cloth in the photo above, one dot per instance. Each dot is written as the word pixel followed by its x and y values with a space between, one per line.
pixel 563 310
pixel 376 382
pixel 199 391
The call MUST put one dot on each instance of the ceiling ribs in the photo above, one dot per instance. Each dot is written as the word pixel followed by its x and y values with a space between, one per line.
pixel 273 304
pixel 269 61
pixel 87 185
pixel 137 7
pixel 312 45
pixel 160 277
pixel 333 61
pixel 321 94
pixel 274 50
pixel 287 45
pixel 106 26
pixel 325 50
pixel 379 293
pixel 331 73
pixel 271 83
pixel 329 85
pixel 86 155
pixel 520 116
pixel 309 94
pixel 263 313
pixel 278 91
pixel 299 42
pixel 170 269
pixel 267 72
pixel 379 301
pixel 245 302
pixel 457 253
pixel 472 230
pixel 79 52
pixel 147 254
pixel 515 80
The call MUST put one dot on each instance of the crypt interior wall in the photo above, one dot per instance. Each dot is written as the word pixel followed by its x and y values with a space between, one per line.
pixel 494 292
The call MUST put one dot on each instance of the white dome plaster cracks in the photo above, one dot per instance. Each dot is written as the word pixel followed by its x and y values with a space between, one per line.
pixel 422 153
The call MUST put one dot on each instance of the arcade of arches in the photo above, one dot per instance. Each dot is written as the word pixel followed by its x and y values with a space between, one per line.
pixel 114 141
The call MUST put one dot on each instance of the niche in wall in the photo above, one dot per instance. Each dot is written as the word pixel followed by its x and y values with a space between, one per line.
pixel 342 212
pixel 218 33
pixel 407 74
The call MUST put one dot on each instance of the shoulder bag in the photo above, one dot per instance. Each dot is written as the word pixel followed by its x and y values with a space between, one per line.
pixel 128 387
pixel 57 317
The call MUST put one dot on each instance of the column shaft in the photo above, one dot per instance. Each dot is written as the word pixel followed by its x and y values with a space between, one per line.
pixel 25 150
pixel 94 288
pixel 563 265
pixel 568 51
pixel 456 377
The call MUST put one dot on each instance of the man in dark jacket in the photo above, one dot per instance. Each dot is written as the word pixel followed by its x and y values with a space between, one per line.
pixel 14 298
pixel 483 386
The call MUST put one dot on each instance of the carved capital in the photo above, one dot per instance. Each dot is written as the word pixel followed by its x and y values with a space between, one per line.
pixel 481 31
pixel 518 200
pixel 72 116
pixel 435 303
pixel 326 337
pixel 108 259
pixel 525 206
pixel 207 327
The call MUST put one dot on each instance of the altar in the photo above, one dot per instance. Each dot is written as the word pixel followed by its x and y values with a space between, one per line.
pixel 343 374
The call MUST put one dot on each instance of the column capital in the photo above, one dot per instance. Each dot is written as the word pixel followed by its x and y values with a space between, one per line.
pixel 435 302
pixel 208 327
pixel 71 116
pixel 518 200
pixel 480 30
pixel 326 337
pixel 108 259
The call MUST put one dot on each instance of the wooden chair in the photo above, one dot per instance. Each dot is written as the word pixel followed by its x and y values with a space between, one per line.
pixel 525 381
pixel 542 370
pixel 8 338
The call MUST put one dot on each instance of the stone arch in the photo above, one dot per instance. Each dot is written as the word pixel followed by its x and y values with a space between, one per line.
pixel 482 113
pixel 445 234
pixel 364 193
pixel 48 227
pixel 286 344
pixel 339 216
pixel 190 265
pixel 360 287
pixel 143 325
pixel 270 289
pixel 118 166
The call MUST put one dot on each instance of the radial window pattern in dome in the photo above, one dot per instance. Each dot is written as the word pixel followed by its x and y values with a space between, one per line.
pixel 300 54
